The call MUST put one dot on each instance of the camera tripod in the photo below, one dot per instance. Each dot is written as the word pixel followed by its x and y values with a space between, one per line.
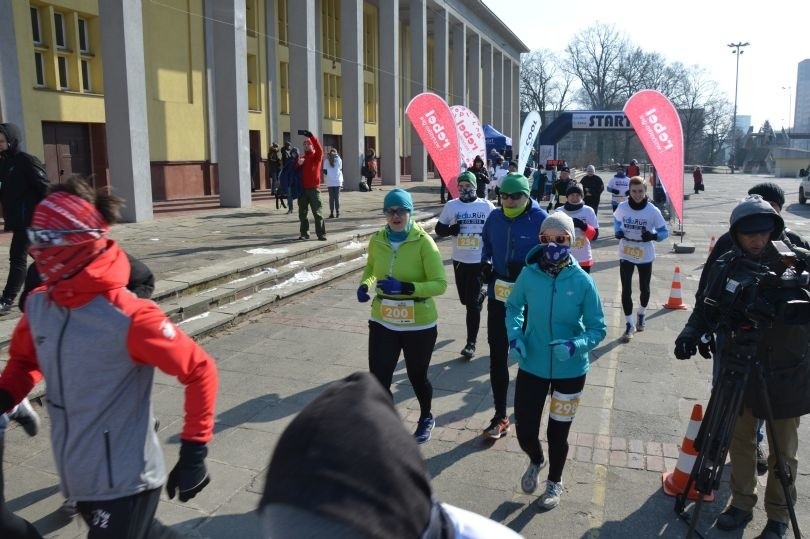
pixel 716 430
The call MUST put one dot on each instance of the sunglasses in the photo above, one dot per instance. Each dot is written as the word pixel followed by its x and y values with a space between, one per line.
pixel 400 212
pixel 556 239
pixel 512 196
pixel 43 237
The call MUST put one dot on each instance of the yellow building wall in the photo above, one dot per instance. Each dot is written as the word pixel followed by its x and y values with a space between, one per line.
pixel 174 53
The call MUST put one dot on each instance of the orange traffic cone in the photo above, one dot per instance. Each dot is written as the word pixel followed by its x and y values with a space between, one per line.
pixel 675 295
pixel 675 481
pixel 711 245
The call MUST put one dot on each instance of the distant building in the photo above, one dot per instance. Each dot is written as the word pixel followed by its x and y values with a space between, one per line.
pixel 165 100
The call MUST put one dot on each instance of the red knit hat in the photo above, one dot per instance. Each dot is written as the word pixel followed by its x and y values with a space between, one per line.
pixel 65 211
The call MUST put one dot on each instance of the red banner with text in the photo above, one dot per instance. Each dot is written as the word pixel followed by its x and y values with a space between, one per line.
pixel 434 123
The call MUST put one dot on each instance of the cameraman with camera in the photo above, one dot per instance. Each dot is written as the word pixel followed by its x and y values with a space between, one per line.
pixel 757 300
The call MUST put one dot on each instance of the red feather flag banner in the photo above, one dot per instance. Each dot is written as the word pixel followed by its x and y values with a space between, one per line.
pixel 658 127
pixel 434 123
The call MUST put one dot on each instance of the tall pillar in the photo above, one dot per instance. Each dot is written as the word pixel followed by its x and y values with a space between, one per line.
pixel 389 120
pixel 474 73
pixel 125 106
pixel 497 90
pixel 507 103
pixel 516 124
pixel 486 84
pixel 459 63
pixel 304 96
pixel 351 68
pixel 270 41
pixel 11 104
pixel 230 101
pixel 440 51
pixel 418 21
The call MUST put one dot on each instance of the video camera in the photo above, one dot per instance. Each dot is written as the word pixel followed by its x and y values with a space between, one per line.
pixel 749 293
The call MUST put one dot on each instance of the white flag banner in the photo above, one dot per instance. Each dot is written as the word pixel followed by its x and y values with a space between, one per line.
pixel 471 140
pixel 528 134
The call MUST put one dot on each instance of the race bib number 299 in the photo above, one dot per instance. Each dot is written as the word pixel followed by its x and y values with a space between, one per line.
pixel 564 407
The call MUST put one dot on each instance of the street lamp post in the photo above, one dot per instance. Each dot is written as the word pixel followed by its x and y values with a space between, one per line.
pixel 738 52
pixel 790 104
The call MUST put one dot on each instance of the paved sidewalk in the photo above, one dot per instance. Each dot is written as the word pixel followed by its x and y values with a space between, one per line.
pixel 633 415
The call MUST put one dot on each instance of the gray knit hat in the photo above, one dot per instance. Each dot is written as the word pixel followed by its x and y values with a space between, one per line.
pixel 561 221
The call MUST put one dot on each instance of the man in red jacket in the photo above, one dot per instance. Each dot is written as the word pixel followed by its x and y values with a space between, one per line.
pixel 311 164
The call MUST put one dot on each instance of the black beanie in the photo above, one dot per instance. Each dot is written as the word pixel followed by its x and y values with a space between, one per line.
pixel 769 192
pixel 347 457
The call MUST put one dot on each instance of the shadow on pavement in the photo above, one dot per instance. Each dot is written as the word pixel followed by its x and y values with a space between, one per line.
pixel 438 463
pixel 526 514
pixel 244 525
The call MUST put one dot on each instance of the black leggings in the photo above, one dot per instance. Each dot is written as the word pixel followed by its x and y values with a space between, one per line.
pixel 18 264
pixel 468 284
pixel 384 346
pixel 12 526
pixel 626 274
pixel 498 351
pixel 530 397
pixel 131 517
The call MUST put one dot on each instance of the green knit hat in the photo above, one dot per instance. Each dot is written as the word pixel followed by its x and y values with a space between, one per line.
pixel 466 176
pixel 514 182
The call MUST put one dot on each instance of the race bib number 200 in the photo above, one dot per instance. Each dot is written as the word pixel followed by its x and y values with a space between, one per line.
pixel 397 312
pixel 502 289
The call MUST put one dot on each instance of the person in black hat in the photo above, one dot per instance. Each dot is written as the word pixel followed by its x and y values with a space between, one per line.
pixel 779 344
pixel 560 189
pixel 346 468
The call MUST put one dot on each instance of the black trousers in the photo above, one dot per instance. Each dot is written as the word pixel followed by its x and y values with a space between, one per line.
pixel 131 517
pixel 626 274
pixel 593 203
pixel 468 285
pixel 498 352
pixel 12 526
pixel 384 347
pixel 530 398
pixel 18 265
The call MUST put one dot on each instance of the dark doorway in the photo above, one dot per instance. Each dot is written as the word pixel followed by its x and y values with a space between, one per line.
pixel 256 168
pixel 67 150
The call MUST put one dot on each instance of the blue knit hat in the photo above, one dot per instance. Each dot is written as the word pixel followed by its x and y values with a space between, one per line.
pixel 400 198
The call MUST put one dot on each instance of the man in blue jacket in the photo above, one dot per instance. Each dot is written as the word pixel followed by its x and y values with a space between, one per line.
pixel 510 232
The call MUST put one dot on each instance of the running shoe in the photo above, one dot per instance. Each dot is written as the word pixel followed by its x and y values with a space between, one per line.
pixel 469 350
pixel 498 428
pixel 530 477
pixel 423 429
pixel 628 332
pixel 26 416
pixel 551 497
pixel 640 325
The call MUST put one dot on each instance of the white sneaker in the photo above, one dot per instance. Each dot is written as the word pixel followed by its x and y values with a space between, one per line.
pixel 529 480
pixel 551 498
pixel 25 415
pixel 628 332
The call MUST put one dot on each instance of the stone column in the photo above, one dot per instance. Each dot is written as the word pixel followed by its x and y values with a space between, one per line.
pixel 440 51
pixel 270 42
pixel 125 107
pixel 516 125
pixel 230 101
pixel 474 73
pixel 389 120
pixel 486 84
pixel 304 96
pixel 497 90
pixel 11 104
pixel 459 62
pixel 351 67
pixel 418 21
pixel 507 128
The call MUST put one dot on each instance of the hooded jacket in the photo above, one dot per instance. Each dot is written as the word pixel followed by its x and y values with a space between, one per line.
pixel 23 181
pixel 566 306
pixel 311 168
pixel 506 242
pixel 99 395
pixel 417 261
pixel 783 345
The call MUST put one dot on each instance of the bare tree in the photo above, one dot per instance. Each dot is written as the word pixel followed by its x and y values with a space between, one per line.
pixel 543 85
pixel 717 120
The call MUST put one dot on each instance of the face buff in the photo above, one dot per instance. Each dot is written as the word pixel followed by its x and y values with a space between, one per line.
pixel 555 253
pixel 513 212
pixel 467 195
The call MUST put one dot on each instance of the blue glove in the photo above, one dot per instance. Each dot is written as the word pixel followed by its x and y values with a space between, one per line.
pixel 392 287
pixel 619 235
pixel 561 349
pixel 517 350
pixel 362 293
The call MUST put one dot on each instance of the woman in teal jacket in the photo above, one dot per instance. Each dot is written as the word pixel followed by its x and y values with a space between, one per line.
pixel 407 269
pixel 565 321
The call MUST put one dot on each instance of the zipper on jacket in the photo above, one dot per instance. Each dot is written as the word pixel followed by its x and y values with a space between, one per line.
pixel 62 392
pixel 550 325
pixel 108 453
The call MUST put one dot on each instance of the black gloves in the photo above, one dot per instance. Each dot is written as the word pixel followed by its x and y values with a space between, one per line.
pixel 307 133
pixel 189 474
pixel 646 235
pixel 706 345
pixel 6 402
pixel 619 235
pixel 686 343
pixel 580 224
pixel 455 229
pixel 442 230
pixel 486 272
pixel 549 207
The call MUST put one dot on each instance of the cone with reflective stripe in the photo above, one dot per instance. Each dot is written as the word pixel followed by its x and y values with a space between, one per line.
pixel 675 295
pixel 675 481
pixel 711 245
